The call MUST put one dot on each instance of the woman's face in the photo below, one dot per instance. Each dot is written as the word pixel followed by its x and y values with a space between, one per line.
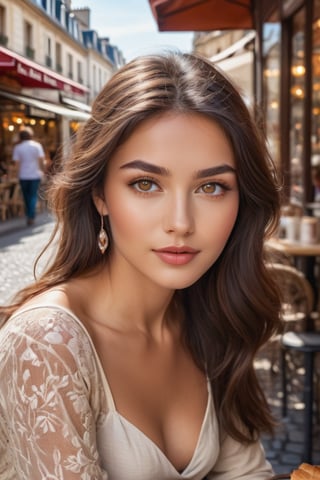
pixel 172 198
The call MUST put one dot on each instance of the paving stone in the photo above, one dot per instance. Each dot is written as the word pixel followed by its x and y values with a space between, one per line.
pixel 295 436
pixel 295 448
pixel 276 445
pixel 291 459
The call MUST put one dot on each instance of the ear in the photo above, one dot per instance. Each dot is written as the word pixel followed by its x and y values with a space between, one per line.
pixel 100 204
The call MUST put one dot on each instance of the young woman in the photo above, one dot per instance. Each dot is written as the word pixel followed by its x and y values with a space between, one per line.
pixel 131 357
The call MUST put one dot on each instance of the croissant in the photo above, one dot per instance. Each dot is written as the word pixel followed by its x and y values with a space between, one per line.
pixel 306 472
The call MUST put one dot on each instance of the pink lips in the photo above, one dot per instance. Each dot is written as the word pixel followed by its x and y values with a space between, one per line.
pixel 176 255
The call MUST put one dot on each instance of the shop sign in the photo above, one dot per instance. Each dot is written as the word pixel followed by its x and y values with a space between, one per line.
pixel 32 76
pixel 37 112
pixel 40 77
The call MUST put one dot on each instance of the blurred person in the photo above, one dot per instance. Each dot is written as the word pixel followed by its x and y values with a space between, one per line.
pixel 131 357
pixel 29 155
pixel 315 175
pixel 3 170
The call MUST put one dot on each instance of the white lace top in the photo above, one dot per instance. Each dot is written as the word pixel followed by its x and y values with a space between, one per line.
pixel 58 419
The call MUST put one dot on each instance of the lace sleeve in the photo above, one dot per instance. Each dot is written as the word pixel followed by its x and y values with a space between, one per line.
pixel 49 400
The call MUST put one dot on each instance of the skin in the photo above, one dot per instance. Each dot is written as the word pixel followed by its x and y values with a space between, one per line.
pixel 178 208
pixel 171 184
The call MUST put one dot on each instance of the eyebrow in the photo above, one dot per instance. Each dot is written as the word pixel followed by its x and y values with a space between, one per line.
pixel 146 167
pixel 210 172
pixel 155 169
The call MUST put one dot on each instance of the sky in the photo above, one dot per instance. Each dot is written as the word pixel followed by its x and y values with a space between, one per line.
pixel 130 26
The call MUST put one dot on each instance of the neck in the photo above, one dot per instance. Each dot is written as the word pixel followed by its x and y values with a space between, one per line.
pixel 131 305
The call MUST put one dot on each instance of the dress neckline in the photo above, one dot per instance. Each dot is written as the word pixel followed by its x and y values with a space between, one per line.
pixel 110 399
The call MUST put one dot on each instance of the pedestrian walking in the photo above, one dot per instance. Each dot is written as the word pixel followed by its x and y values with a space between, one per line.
pixel 29 155
pixel 131 356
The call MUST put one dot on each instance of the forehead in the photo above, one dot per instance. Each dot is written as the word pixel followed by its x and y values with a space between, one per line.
pixel 189 139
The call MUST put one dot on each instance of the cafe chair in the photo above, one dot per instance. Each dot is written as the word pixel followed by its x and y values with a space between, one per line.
pixel 297 300
pixel 296 292
pixel 309 344
pixel 15 202
pixel 4 202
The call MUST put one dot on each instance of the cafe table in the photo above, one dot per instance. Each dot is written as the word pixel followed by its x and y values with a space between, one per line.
pixel 295 249
pixel 304 258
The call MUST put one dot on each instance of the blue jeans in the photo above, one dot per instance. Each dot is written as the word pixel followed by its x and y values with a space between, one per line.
pixel 29 190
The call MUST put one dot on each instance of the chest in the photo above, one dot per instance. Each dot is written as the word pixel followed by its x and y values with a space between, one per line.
pixel 158 390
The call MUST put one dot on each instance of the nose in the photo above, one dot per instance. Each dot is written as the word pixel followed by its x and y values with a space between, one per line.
pixel 178 215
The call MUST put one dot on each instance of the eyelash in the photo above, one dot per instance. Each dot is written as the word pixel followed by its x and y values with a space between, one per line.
pixel 134 184
pixel 224 186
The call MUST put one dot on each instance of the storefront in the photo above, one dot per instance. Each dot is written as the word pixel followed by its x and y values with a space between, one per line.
pixel 53 122
pixel 291 92
pixel 286 72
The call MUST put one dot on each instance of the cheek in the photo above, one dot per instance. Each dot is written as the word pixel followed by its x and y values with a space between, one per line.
pixel 222 221
pixel 220 233
pixel 128 218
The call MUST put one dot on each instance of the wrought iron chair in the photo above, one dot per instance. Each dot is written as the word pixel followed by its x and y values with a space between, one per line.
pixel 297 304
pixel 297 299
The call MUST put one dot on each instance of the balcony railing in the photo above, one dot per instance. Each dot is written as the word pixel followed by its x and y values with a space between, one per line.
pixel 30 52
pixel 3 39
pixel 48 61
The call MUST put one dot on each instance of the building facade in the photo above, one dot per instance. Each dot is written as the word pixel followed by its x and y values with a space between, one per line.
pixel 49 71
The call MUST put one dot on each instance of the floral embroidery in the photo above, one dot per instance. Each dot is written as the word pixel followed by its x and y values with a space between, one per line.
pixel 50 399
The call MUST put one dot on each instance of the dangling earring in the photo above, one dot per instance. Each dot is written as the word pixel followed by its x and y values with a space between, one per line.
pixel 103 240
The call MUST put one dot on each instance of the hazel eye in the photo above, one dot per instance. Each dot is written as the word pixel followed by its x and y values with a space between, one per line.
pixel 209 188
pixel 212 188
pixel 144 185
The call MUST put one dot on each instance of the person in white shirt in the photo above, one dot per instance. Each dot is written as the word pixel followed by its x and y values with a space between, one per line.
pixel 29 155
pixel 131 356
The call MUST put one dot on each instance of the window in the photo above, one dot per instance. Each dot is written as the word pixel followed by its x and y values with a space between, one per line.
pixel 28 40
pixel 70 65
pixel 3 36
pixel 94 80
pixel 48 52
pixel 297 117
pixel 79 71
pixel 58 57
pixel 271 84
pixel 100 79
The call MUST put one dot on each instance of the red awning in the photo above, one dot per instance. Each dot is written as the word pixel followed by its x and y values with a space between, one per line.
pixel 32 75
pixel 202 15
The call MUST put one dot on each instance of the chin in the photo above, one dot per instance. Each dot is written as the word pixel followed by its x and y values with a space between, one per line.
pixel 180 284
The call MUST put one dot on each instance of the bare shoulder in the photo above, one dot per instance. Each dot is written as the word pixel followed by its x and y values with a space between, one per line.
pixel 63 296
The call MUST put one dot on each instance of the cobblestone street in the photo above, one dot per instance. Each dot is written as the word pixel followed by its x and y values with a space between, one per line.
pixel 19 249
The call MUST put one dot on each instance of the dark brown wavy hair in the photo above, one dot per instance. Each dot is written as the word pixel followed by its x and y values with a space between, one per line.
pixel 233 309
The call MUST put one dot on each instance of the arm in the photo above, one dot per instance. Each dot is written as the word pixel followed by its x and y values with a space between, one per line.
pixel 238 461
pixel 48 402
pixel 42 164
pixel 41 158
pixel 15 161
